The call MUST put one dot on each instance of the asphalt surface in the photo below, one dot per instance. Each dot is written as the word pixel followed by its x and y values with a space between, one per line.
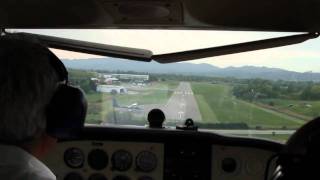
pixel 181 105
pixel 246 132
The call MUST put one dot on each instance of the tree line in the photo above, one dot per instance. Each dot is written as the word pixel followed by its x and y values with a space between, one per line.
pixel 248 89
pixel 261 89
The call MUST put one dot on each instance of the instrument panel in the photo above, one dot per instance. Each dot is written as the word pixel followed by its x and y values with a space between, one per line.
pixel 239 163
pixel 150 154
pixel 104 160
pixel 107 160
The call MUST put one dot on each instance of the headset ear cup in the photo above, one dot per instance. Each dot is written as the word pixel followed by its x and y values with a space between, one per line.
pixel 66 112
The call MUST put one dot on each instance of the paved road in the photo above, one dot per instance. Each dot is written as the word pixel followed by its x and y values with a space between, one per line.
pixel 246 132
pixel 181 105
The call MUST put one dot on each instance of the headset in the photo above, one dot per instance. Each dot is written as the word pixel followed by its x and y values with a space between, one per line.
pixel 66 111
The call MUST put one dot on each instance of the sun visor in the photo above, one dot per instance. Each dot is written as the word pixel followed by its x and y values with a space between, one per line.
pixel 233 49
pixel 147 55
pixel 94 48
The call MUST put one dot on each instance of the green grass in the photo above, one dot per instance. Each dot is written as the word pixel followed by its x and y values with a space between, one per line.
pixel 145 97
pixel 157 93
pixel 208 116
pixel 170 85
pixel 216 103
pixel 310 109
pixel 74 73
pixel 100 104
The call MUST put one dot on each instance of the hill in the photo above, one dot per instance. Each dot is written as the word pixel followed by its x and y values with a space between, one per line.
pixel 245 72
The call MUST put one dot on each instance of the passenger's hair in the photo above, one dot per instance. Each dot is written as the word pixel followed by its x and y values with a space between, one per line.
pixel 27 83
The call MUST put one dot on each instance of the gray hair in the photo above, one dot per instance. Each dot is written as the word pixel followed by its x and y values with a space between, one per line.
pixel 27 84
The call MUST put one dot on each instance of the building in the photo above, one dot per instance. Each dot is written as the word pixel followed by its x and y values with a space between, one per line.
pixel 131 77
pixel 112 81
pixel 111 88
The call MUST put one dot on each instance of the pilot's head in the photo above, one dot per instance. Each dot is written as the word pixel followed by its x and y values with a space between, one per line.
pixel 27 83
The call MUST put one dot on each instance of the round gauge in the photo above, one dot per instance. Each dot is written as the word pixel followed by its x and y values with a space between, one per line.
pixel 145 178
pixel 229 165
pixel 121 160
pixel 98 159
pixel 74 157
pixel 97 177
pixel 121 178
pixel 146 161
pixel 73 176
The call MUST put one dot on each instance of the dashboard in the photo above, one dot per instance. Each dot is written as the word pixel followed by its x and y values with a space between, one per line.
pixel 113 153
pixel 99 160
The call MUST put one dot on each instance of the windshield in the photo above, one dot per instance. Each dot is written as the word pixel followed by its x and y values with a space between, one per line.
pixel 265 94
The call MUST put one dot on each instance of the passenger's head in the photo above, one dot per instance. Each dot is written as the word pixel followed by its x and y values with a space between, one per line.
pixel 27 84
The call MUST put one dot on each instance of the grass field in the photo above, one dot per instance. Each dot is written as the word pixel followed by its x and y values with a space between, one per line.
pixel 157 93
pixel 310 109
pixel 100 104
pixel 217 104
pixel 215 101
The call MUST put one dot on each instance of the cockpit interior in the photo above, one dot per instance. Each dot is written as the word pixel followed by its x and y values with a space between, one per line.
pixel 182 89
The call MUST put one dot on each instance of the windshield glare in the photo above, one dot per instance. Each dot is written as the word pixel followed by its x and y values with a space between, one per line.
pixel 265 94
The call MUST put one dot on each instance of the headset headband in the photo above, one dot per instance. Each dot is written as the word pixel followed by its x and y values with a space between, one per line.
pixel 55 62
pixel 58 66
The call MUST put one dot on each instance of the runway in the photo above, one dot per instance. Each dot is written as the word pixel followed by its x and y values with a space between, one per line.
pixel 180 106
pixel 249 131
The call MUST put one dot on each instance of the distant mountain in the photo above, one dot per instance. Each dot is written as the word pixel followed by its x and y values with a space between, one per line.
pixel 244 72
pixel 112 64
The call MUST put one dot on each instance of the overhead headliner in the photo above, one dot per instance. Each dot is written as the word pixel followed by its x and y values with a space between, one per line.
pixel 258 15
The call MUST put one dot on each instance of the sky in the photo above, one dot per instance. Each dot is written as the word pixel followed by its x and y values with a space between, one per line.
pixel 302 57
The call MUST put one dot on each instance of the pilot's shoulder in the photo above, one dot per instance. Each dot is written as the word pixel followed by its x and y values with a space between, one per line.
pixel 37 175
pixel 16 163
pixel 37 170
